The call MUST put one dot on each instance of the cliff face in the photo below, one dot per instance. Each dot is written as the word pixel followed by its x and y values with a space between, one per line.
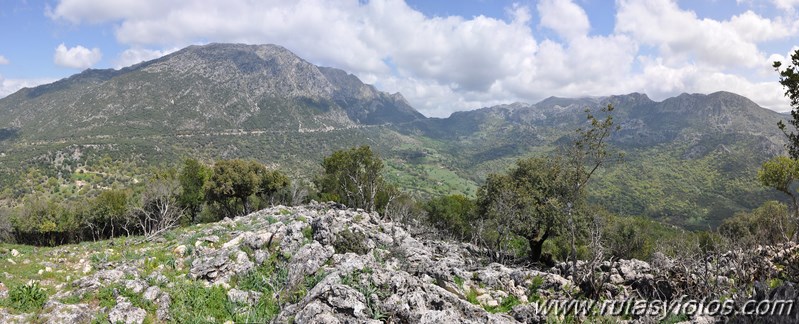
pixel 321 263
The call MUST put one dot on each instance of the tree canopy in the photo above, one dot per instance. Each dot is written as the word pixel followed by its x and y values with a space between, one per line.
pixel 789 79
pixel 353 177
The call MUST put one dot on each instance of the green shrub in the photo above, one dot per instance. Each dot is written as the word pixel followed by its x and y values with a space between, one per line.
pixel 349 241
pixel 452 214
pixel 471 296
pixel 27 298
pixel 194 303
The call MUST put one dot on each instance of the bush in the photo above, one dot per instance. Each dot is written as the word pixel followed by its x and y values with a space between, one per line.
pixel 6 229
pixel 767 225
pixel 451 214
pixel 353 177
pixel 349 241
pixel 27 298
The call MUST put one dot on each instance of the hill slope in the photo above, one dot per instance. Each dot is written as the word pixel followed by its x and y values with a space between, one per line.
pixel 321 263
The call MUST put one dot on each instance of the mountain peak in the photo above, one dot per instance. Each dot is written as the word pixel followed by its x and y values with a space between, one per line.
pixel 200 88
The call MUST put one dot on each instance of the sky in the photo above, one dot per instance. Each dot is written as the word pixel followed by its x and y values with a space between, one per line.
pixel 442 55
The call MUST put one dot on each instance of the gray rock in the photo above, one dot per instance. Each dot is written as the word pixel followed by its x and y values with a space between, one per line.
pixel 307 261
pixel 244 297
pixel 125 312
pixel 57 313
pixel 210 239
pixel 317 312
pixel 151 293
pixel 6 317
pixel 527 314
pixel 157 278
pixel 220 265
pixel 136 286
pixel 163 302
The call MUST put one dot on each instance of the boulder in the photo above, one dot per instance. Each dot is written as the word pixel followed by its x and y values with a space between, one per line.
pixel 125 312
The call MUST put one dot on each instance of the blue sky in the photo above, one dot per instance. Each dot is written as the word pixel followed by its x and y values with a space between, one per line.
pixel 443 56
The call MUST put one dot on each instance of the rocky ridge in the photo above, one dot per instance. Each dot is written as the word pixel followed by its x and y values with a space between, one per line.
pixel 319 263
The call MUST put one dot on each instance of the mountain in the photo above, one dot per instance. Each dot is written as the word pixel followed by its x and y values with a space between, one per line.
pixel 202 88
pixel 690 160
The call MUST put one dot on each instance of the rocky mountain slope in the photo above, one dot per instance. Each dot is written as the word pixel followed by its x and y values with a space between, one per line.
pixel 322 263
pixel 202 88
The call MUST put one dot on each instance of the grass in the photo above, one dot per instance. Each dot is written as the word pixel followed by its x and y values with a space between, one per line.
pixel 458 281
pixel 505 306
pixel 471 296
pixel 307 233
pixel 26 298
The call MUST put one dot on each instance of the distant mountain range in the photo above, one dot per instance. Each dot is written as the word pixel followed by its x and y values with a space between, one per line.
pixel 691 159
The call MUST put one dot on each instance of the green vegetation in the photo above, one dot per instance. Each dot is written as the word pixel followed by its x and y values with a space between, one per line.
pixel 26 298
pixel 353 177
pixel 167 198
pixel 542 198
pixel 349 241
pixel 454 214
pixel 769 224
pixel 232 182
pixel 789 79
pixel 193 177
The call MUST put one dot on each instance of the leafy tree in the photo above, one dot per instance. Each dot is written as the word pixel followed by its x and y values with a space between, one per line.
pixel 43 221
pixel 540 197
pixel 352 177
pixel 451 213
pixel 272 182
pixel 110 214
pixel 192 179
pixel 234 180
pixel 789 79
pixel 781 173
pixel 528 201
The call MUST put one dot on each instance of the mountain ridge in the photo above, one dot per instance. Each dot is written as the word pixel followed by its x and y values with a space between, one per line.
pixel 266 103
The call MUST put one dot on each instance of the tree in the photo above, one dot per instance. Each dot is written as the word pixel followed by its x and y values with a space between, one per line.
pixel 451 213
pixel 109 214
pixel 767 225
pixel 272 182
pixel 781 173
pixel 192 179
pixel 789 79
pixel 540 197
pixel 158 209
pixel 234 180
pixel 352 177
pixel 528 201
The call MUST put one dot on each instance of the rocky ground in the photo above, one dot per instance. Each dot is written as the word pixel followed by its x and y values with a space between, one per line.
pixel 319 263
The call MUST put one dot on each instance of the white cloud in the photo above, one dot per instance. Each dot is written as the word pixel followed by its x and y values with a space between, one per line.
pixel 786 4
pixel 77 57
pixel 93 11
pixel 3 60
pixel 682 37
pixel 754 28
pixel 9 86
pixel 132 56
pixel 564 17
pixel 443 64
pixel 660 81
